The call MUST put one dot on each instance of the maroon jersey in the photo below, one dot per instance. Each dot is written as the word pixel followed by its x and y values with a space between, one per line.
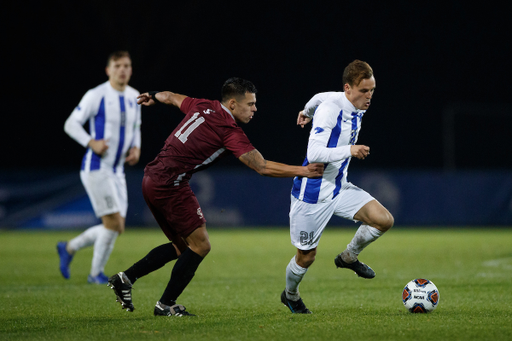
pixel 207 132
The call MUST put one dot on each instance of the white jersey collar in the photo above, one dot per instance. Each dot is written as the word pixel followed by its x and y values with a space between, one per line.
pixel 120 93
pixel 352 107
pixel 228 111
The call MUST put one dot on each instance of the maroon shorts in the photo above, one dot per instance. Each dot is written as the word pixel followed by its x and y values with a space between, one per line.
pixel 175 209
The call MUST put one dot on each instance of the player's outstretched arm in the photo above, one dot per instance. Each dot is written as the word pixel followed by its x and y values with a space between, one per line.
pixel 165 97
pixel 255 160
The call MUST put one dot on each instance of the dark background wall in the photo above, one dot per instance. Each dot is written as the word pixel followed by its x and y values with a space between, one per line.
pixel 426 56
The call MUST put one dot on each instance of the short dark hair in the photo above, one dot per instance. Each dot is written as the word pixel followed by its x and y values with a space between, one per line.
pixel 117 55
pixel 235 87
pixel 356 71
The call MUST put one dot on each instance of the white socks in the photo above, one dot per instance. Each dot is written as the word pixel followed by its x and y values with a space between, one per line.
pixel 294 275
pixel 364 236
pixel 103 246
pixel 86 238
pixel 103 240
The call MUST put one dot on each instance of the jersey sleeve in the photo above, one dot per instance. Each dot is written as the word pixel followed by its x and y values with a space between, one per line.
pixel 187 104
pixel 319 148
pixel 237 142
pixel 317 152
pixel 74 124
pixel 315 101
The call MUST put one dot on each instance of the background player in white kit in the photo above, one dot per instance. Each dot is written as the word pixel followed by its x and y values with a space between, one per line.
pixel 336 126
pixel 113 139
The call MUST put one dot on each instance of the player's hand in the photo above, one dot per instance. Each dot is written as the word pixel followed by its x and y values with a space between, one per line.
pixel 98 146
pixel 314 170
pixel 360 151
pixel 302 119
pixel 145 99
pixel 133 156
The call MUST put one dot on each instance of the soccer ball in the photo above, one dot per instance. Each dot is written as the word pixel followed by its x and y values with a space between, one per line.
pixel 420 296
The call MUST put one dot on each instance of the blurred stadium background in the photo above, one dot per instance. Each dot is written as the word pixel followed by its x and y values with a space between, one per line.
pixel 439 125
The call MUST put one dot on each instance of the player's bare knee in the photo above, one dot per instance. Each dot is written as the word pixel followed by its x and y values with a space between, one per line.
pixel 114 225
pixel 308 262
pixel 113 222
pixel 206 248
pixel 305 258
pixel 391 221
pixel 202 249
pixel 386 222
pixel 120 228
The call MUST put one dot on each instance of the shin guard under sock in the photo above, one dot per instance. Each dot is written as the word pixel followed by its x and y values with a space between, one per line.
pixel 182 274
pixel 154 260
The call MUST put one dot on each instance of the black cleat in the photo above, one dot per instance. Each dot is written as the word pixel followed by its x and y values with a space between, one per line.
pixel 296 307
pixel 123 290
pixel 361 269
pixel 173 310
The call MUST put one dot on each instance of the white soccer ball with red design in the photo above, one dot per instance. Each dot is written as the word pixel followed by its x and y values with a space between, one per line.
pixel 420 296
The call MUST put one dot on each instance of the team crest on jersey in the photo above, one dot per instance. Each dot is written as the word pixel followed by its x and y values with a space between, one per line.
pixel 208 111
pixel 318 130
pixel 200 213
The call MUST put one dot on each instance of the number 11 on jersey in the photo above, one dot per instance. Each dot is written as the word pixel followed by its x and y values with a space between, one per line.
pixel 194 122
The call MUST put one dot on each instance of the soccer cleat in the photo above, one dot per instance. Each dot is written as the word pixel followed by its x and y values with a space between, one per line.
pixel 123 290
pixel 296 307
pixel 361 269
pixel 65 259
pixel 173 310
pixel 100 279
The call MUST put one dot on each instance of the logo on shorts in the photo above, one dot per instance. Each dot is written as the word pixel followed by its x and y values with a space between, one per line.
pixel 109 201
pixel 305 238
pixel 200 213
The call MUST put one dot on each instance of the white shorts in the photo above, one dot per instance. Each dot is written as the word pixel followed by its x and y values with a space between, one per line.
pixel 107 191
pixel 308 221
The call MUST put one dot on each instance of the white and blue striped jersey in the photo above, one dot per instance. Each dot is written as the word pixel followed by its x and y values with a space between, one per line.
pixel 114 116
pixel 335 127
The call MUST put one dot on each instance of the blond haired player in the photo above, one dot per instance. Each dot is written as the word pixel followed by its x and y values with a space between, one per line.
pixel 336 126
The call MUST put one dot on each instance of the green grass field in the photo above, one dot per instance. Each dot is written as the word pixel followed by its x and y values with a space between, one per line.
pixel 236 290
